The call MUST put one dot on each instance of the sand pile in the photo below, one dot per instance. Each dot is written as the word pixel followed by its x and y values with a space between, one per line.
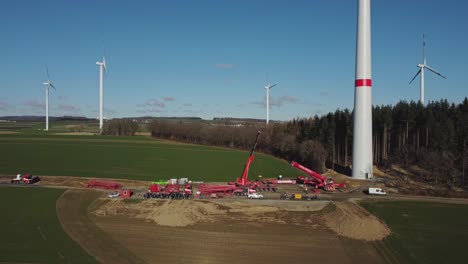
pixel 182 213
pixel 350 220
pixel 162 212
pixel 179 213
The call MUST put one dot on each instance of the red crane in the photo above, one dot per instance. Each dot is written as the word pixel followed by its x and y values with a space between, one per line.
pixel 243 181
pixel 317 180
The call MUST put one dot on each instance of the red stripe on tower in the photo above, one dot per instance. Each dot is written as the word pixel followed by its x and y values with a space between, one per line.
pixel 363 82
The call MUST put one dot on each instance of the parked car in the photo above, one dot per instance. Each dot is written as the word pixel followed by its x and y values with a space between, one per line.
pixel 255 196
pixel 114 195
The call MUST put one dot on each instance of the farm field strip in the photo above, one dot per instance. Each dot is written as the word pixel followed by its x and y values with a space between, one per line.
pixel 31 231
pixel 139 158
pixel 422 232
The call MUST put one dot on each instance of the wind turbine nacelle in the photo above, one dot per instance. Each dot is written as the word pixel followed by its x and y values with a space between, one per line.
pixel 420 65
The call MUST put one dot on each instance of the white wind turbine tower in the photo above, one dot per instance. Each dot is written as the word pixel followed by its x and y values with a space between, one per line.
pixel 268 87
pixel 102 66
pixel 362 123
pixel 421 71
pixel 47 84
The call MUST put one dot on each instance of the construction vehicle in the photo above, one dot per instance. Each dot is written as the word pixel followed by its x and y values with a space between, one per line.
pixel 108 185
pixel 160 182
pixel 298 196
pixel 294 196
pixel 169 191
pixel 275 181
pixel 242 186
pixel 25 179
pixel 316 180
pixel 208 189
pixel 376 191
pixel 243 181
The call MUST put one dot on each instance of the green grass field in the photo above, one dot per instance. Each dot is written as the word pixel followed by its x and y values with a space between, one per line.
pixel 30 231
pixel 423 232
pixel 140 158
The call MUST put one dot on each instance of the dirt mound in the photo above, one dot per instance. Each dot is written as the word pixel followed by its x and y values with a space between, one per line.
pixel 189 212
pixel 163 212
pixel 350 220
pixel 182 213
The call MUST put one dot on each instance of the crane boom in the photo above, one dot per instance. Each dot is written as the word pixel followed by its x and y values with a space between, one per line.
pixel 312 173
pixel 243 179
pixel 318 180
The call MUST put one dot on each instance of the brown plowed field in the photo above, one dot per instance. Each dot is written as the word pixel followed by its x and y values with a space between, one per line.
pixel 229 232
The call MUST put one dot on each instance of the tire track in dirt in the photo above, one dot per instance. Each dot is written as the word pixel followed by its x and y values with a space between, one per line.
pixel 72 212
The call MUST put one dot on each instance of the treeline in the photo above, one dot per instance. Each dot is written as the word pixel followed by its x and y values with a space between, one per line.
pixel 275 140
pixel 120 127
pixel 433 138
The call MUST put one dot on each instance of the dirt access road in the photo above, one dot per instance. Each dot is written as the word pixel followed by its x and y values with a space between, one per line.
pixel 205 232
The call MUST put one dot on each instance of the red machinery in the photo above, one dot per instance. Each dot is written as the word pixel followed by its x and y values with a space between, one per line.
pixel 316 180
pixel 242 181
pixel 26 179
pixel 242 185
pixel 103 185
pixel 217 188
pixel 275 181
pixel 172 191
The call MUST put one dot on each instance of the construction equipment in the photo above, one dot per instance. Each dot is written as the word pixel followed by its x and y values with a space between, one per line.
pixel 219 189
pixel 243 181
pixel 316 180
pixel 108 185
pixel 275 181
pixel 242 186
pixel 25 179
pixel 294 196
pixel 160 182
pixel 298 196
pixel 169 191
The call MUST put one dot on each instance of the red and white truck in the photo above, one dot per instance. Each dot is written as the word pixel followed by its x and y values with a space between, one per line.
pixel 25 179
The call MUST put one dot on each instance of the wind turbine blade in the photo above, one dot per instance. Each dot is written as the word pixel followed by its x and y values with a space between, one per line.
pixel 51 85
pixel 104 64
pixel 415 76
pixel 47 71
pixel 424 48
pixel 273 86
pixel 434 71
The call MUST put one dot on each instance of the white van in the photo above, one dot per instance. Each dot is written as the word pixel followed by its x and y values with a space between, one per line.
pixel 377 191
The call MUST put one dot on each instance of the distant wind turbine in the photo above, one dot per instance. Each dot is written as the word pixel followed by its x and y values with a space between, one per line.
pixel 102 66
pixel 268 87
pixel 47 84
pixel 421 71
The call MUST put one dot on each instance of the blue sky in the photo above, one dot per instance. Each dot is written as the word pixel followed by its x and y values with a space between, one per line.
pixel 213 58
